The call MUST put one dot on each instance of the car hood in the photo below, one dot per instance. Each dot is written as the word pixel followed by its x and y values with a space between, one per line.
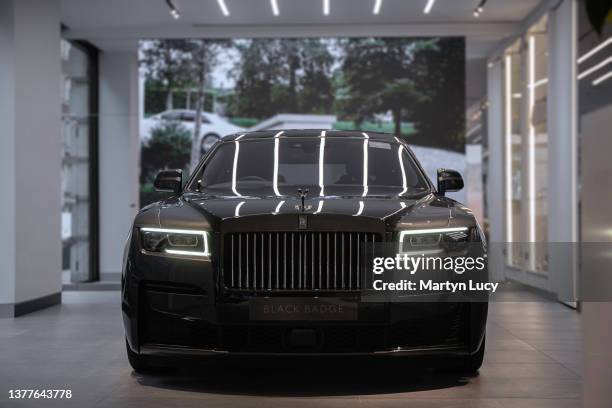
pixel 209 212
pixel 373 207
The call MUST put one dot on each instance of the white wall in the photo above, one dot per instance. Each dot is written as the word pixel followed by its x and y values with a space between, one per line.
pixel 7 147
pixel 30 150
pixel 596 225
pixel 563 150
pixel 119 154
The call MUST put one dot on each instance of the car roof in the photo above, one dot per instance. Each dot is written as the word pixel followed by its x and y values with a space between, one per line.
pixel 309 133
pixel 185 111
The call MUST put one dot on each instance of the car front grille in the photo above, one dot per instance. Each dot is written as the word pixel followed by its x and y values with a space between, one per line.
pixel 295 261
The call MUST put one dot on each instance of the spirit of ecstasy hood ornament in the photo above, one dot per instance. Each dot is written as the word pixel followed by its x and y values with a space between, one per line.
pixel 303 193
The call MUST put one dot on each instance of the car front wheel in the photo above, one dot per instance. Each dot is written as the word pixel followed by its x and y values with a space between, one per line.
pixel 467 364
pixel 139 363
pixel 474 362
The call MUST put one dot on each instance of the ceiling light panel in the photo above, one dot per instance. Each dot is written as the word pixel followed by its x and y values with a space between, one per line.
pixel 274 5
pixel 428 6
pixel 223 7
pixel 377 6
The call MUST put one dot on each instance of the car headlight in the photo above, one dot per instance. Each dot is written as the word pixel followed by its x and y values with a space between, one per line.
pixel 175 241
pixel 431 240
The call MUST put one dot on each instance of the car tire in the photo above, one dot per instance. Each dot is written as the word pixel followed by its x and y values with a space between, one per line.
pixel 473 363
pixel 469 364
pixel 208 140
pixel 139 363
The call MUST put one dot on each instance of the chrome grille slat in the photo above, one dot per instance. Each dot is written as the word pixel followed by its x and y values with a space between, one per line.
pixel 295 261
pixel 240 260
pixel 262 260
pixel 232 260
pixel 312 258
pixel 350 260
pixel 300 274
pixel 320 258
pixel 247 260
pixel 358 260
pixel 335 253
pixel 328 270
pixel 254 260
pixel 292 260
pixel 342 263
pixel 305 261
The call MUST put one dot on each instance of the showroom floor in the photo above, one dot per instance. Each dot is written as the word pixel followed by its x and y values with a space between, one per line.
pixel 533 359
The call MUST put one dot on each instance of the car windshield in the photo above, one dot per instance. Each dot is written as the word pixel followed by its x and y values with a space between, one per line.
pixel 325 166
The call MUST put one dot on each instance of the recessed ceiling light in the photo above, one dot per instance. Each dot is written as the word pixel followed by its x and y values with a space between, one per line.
pixel 326 7
pixel 479 8
pixel 428 6
pixel 602 78
pixel 173 10
pixel 595 68
pixel 594 50
pixel 274 4
pixel 377 6
pixel 223 7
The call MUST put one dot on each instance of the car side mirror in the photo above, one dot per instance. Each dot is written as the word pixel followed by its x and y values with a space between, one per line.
pixel 169 180
pixel 449 180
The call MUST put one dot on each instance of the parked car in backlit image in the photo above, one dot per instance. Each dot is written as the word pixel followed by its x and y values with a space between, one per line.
pixel 259 252
pixel 214 127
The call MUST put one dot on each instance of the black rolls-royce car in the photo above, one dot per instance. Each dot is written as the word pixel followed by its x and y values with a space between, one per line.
pixel 259 252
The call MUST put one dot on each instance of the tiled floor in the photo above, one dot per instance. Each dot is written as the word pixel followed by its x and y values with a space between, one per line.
pixel 533 360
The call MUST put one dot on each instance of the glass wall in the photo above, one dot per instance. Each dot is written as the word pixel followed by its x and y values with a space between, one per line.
pixel 538 147
pixel 78 126
pixel 526 149
pixel 513 94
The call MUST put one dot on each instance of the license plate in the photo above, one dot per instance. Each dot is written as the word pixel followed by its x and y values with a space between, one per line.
pixel 302 309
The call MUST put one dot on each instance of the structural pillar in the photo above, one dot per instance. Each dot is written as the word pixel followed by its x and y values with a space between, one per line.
pixel 119 154
pixel 30 156
pixel 563 152
pixel 495 171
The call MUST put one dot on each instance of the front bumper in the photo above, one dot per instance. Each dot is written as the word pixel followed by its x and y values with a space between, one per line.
pixel 178 307
pixel 173 322
pixel 160 350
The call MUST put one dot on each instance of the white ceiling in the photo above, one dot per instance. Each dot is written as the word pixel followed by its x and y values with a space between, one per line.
pixel 112 24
